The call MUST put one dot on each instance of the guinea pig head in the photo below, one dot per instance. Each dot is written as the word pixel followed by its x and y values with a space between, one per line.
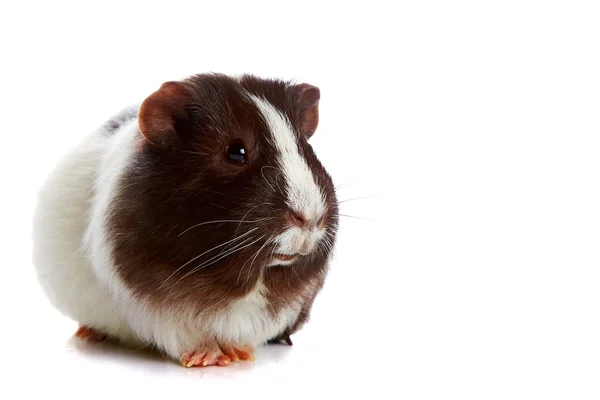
pixel 222 186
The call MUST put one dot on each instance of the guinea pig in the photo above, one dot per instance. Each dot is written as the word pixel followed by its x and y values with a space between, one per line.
pixel 199 223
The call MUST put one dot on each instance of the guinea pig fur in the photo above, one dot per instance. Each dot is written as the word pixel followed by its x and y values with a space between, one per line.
pixel 200 223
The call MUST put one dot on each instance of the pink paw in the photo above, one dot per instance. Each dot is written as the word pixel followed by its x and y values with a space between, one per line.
pixel 213 354
pixel 87 333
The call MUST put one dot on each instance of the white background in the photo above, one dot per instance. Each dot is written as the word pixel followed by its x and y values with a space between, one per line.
pixel 474 126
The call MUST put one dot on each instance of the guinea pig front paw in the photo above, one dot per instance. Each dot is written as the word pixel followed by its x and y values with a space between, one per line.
pixel 90 334
pixel 237 353
pixel 214 354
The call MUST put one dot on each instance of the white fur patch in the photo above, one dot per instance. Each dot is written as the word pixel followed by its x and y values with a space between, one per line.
pixel 303 193
pixel 60 257
pixel 248 319
pixel 299 241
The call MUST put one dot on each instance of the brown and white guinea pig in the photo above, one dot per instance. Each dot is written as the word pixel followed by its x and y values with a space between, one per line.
pixel 200 223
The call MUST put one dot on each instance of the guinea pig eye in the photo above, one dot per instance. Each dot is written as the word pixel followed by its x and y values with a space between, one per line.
pixel 236 152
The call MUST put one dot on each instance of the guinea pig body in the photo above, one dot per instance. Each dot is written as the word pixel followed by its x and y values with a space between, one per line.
pixel 200 223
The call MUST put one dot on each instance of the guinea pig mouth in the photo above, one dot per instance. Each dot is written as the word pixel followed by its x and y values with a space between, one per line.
pixel 285 257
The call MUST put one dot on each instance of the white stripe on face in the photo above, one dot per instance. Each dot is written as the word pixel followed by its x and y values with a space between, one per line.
pixel 303 194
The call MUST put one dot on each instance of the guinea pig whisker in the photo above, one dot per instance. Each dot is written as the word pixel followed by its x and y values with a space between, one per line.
pixel 194 152
pixel 354 216
pixel 293 267
pixel 207 251
pixel 249 258
pixel 219 193
pixel 262 172
pixel 238 227
pixel 323 245
pixel 224 249
pixel 340 185
pixel 213 260
pixel 245 215
pixel 219 256
pixel 356 198
pixel 242 268
pixel 326 245
pixel 250 210
pixel 215 205
pixel 329 243
pixel 217 222
pixel 276 179
pixel 251 269
pixel 277 182
pixel 222 244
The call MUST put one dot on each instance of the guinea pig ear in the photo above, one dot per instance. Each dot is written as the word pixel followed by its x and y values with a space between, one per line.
pixel 159 112
pixel 308 105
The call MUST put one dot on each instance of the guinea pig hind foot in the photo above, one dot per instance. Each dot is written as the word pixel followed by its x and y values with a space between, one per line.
pixel 90 334
pixel 212 353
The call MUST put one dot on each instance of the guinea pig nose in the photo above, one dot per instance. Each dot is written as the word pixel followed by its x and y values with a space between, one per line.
pixel 298 219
